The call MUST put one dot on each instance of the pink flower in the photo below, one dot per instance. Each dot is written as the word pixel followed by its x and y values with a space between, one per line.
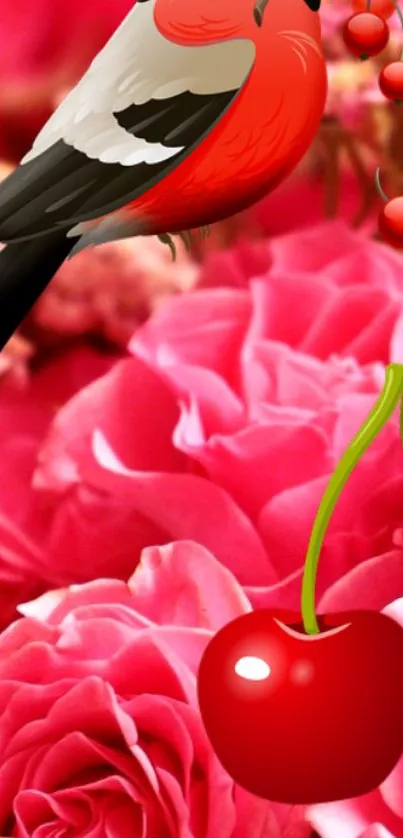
pixel 224 427
pixel 343 292
pixel 235 266
pixel 107 291
pixel 99 726
pixel 27 407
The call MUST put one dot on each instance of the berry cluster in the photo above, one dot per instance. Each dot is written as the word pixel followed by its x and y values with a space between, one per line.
pixel 366 34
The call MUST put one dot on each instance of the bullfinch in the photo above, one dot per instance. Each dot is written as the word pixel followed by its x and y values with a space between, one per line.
pixel 193 111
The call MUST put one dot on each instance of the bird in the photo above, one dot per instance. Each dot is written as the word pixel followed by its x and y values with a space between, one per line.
pixel 190 113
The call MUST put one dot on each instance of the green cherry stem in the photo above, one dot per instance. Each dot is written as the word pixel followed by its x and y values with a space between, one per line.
pixel 390 396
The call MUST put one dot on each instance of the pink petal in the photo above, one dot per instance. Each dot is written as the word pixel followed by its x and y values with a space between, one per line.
pixel 285 305
pixel 183 584
pixel 373 342
pixel 260 461
pixel 341 320
pixel 396 343
pixel 285 524
pixel 205 328
pixel 392 790
pixel 133 406
pixel 372 584
pixel 255 817
pixel 220 410
pixel 284 594
pixel 356 816
pixel 102 530
pixel 184 507
pixel 299 251
pixel 54 606
pixel 376 830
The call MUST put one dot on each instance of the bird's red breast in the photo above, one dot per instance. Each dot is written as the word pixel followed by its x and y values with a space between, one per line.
pixel 267 128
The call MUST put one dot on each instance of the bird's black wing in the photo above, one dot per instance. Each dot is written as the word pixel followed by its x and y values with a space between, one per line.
pixel 62 186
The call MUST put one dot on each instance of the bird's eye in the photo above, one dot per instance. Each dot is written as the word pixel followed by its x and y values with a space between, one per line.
pixel 314 5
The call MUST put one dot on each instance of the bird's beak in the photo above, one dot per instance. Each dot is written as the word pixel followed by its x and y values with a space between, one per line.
pixel 258 11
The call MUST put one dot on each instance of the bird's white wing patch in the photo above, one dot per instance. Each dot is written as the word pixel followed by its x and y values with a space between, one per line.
pixel 136 65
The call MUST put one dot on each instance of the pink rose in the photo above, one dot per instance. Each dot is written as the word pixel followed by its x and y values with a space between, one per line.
pixel 105 530
pixel 344 292
pixel 224 427
pixel 99 726
pixel 26 409
pixel 234 267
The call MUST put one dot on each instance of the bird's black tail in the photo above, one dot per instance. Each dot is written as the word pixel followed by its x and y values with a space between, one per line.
pixel 26 268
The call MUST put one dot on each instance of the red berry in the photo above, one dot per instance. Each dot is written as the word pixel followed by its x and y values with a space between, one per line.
pixel 303 719
pixel 391 222
pixel 366 34
pixel 391 81
pixel 383 8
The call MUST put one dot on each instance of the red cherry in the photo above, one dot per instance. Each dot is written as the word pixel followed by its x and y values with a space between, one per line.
pixel 390 222
pixel 391 81
pixel 301 719
pixel 366 34
pixel 383 8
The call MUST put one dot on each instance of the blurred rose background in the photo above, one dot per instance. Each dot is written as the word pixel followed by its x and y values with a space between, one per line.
pixel 166 432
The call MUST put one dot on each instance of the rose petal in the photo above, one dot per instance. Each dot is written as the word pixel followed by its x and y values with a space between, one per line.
pixel 372 584
pixel 356 816
pixel 203 329
pixel 197 510
pixel 183 584
pixel 256 463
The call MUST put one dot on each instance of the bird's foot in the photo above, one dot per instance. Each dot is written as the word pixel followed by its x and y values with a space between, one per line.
pixel 186 237
pixel 166 238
